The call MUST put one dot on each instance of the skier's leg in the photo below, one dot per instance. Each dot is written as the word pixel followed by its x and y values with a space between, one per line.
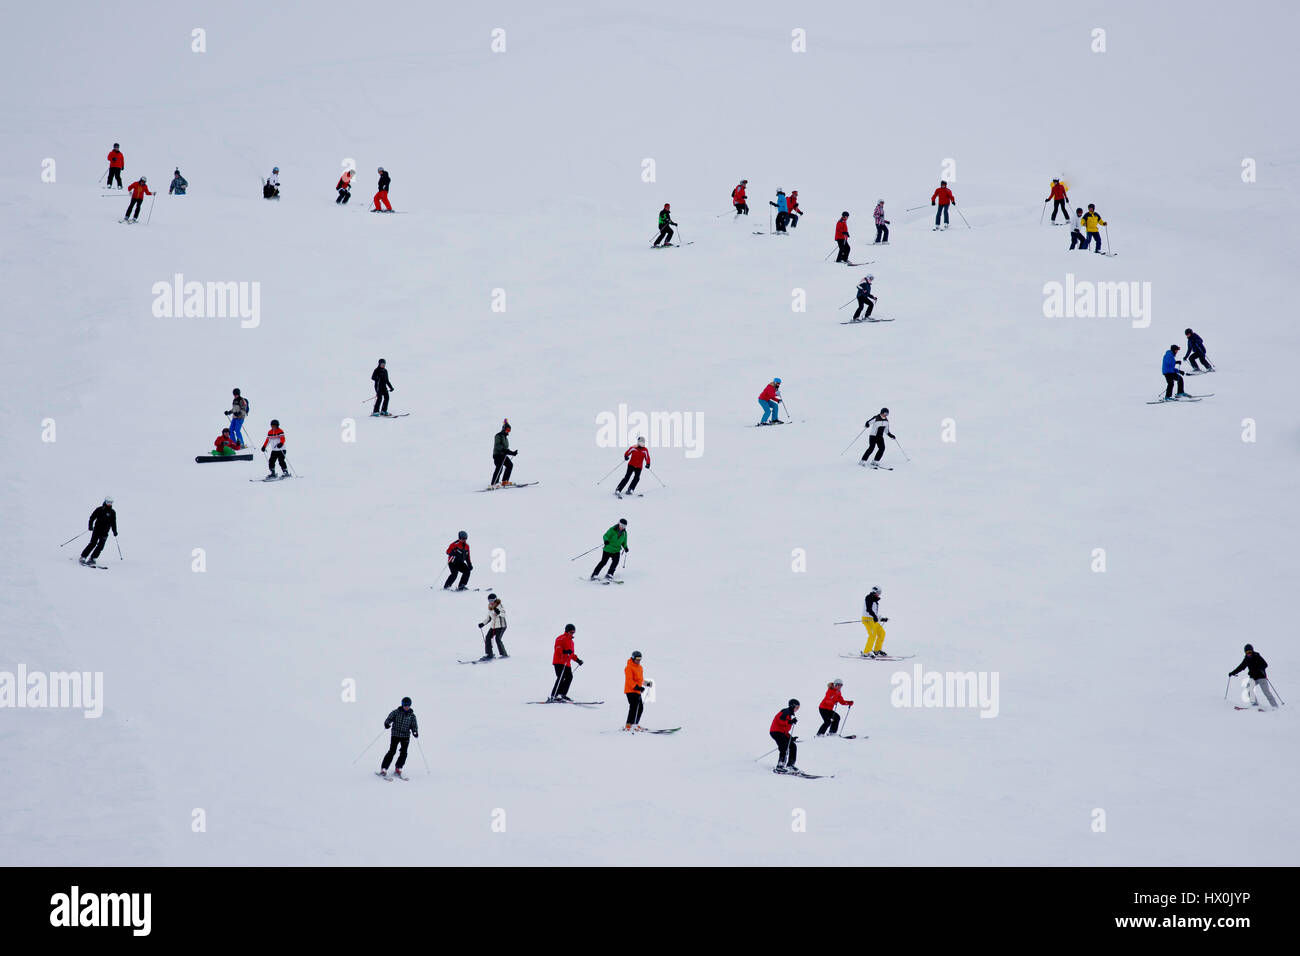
pixel 385 408
pixel 388 757
pixel 794 752
pixel 636 479
pixel 604 557
pixel 100 541
pixel 566 678
pixel 401 757
pixel 826 720
pixel 631 707
pixel 613 563
pixel 498 633
pixel 378 398
pixel 858 311
pixel 509 466
pixel 1264 685
pixel 626 476
pixel 498 462
pixel 870 305
pixel 559 673
pixel 451 577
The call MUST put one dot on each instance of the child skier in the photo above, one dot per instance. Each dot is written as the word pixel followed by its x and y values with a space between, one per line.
pixel 879 425
pixel 271 187
pixel 1077 238
pixel 665 232
pixel 224 445
pixel 563 660
pixel 637 457
pixel 458 562
pixel 865 298
pixel 792 205
pixel 872 620
pixel 782 210
pixel 496 617
pixel 830 719
pixel 615 544
pixel 634 683
pixel 276 439
pixel 769 398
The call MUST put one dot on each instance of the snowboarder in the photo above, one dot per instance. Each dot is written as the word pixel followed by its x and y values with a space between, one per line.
pixel 1196 351
pixel 945 199
pixel 879 425
pixel 224 445
pixel 637 457
pixel 102 520
pixel 404 726
pixel 830 719
pixel 1077 237
pixel 738 199
pixel 665 232
pixel 271 187
pixel 1172 373
pixel 179 184
pixel 116 163
pixel 782 724
pixel 496 618
pixel 381 196
pixel 842 237
pixel 344 187
pixel 770 398
pixel 237 412
pixel 1091 220
pixel 382 388
pixel 871 620
pixel 501 455
pixel 1058 197
pixel 1255 665
pixel 792 204
pixel 882 224
pixel 138 190
pixel 276 439
pixel 563 660
pixel 615 544
pixel 458 562
pixel 634 683
pixel 782 210
pixel 865 299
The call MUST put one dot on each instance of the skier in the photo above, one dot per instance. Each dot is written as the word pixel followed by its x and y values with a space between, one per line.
pixel 1172 373
pixel 879 425
pixel 769 398
pixel 830 719
pixel 381 196
pixel 1058 197
pixel 665 233
pixel 276 439
pixel 405 726
pixel 872 620
pixel 637 457
pixel 738 199
pixel 792 205
pixel 458 562
pixel 138 190
pixel 1077 238
pixel 563 660
pixel 782 210
pixel 224 444
pixel 271 188
pixel 237 412
pixel 945 198
pixel 1090 222
pixel 1256 667
pixel 102 520
pixel 116 163
pixel 882 224
pixel 382 388
pixel 179 184
pixel 634 683
pixel 1196 351
pixel 615 544
pixel 496 618
pixel 344 187
pixel 865 298
pixel 782 724
pixel 501 455
pixel 842 237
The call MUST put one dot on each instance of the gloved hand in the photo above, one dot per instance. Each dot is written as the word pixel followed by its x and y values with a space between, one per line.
pixel 579 660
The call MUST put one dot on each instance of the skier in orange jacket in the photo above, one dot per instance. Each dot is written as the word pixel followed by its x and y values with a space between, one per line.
pixel 138 191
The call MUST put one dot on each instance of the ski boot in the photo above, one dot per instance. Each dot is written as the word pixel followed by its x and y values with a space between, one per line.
pixel 779 768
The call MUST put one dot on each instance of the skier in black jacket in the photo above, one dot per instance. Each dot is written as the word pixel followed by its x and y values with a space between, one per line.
pixel 405 726
pixel 1255 665
pixel 1196 351
pixel 381 195
pixel 382 387
pixel 102 520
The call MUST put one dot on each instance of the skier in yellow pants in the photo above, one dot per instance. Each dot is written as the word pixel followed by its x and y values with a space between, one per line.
pixel 872 620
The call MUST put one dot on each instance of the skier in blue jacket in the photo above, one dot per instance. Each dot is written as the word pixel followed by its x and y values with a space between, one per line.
pixel 1196 351
pixel 782 210
pixel 1169 368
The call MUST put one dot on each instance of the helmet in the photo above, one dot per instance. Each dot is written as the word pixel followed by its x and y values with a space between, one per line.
pixel 623 522
pixel 1248 647
pixel 1056 180
pixel 570 629
pixel 462 536
pixel 794 702
pixel 636 655
pixel 884 411
pixel 838 682
pixel 383 361
pixel 777 381
pixel 493 597
pixel 234 391
pixel 880 202
pixel 943 182
pixel 143 179
pixel 380 170
pixel 666 206
pixel 406 702
pixel 779 189
pixel 108 501
pixel 1187 331
pixel 875 590
pixel 844 213
pixel 640 439
pixel 275 423
pixel 275 169
pixel 870 277
pixel 117 145
pixel 1173 348
pixel 743 180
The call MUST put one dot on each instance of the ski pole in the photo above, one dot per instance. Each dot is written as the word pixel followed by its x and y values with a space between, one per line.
pixel 761 756
pixel 824 258
pixel 845 721
pixel 101 176
pixel 656 477
pixel 849 303
pixel 1106 229
pixel 585 553
pixel 788 413
pixel 844 622
pixel 607 474
pixel 1276 691
pixel 914 208
pixel 900 448
pixel 119 549
pixel 151 202
pixel 70 540
pixel 963 218
pixel 420 747
pixel 855 440
pixel 368 746
pixel 1043 213
pixel 1226 687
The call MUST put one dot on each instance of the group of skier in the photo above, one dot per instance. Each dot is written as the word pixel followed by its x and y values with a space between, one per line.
pixel 1171 366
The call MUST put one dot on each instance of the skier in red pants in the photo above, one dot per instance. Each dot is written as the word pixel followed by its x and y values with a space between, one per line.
pixel 382 195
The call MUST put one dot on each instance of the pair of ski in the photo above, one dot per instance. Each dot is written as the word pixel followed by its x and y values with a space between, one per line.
pixel 863 657
pixel 434 587
pixel 644 730
pixel 799 773
pixel 606 580
pixel 576 703
pixel 389 415
pixel 486 660
pixel 629 494
pixel 271 478
pixel 863 321
pixel 99 567
pixel 391 777
pixel 1184 397
pixel 674 245
pixel 824 736
pixel 872 464
pixel 854 265
pixel 523 484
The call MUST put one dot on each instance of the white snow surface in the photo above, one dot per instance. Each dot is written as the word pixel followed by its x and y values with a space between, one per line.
pixel 522 171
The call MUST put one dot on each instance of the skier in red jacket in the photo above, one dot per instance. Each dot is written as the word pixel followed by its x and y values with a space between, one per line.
pixel 563 660
pixel 842 237
pixel 782 724
pixel 792 205
pixel 458 562
pixel 770 399
pixel 224 445
pixel 116 163
pixel 738 199
pixel 1058 197
pixel 138 191
pixel 830 719
pixel 945 197
pixel 637 457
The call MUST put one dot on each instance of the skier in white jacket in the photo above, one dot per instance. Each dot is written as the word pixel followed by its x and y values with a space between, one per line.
pixel 496 617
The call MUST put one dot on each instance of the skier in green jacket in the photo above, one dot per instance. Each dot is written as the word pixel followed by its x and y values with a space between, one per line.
pixel 501 455
pixel 615 545
pixel 665 230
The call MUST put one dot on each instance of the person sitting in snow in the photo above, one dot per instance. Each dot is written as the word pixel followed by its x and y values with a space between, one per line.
pixel 223 444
